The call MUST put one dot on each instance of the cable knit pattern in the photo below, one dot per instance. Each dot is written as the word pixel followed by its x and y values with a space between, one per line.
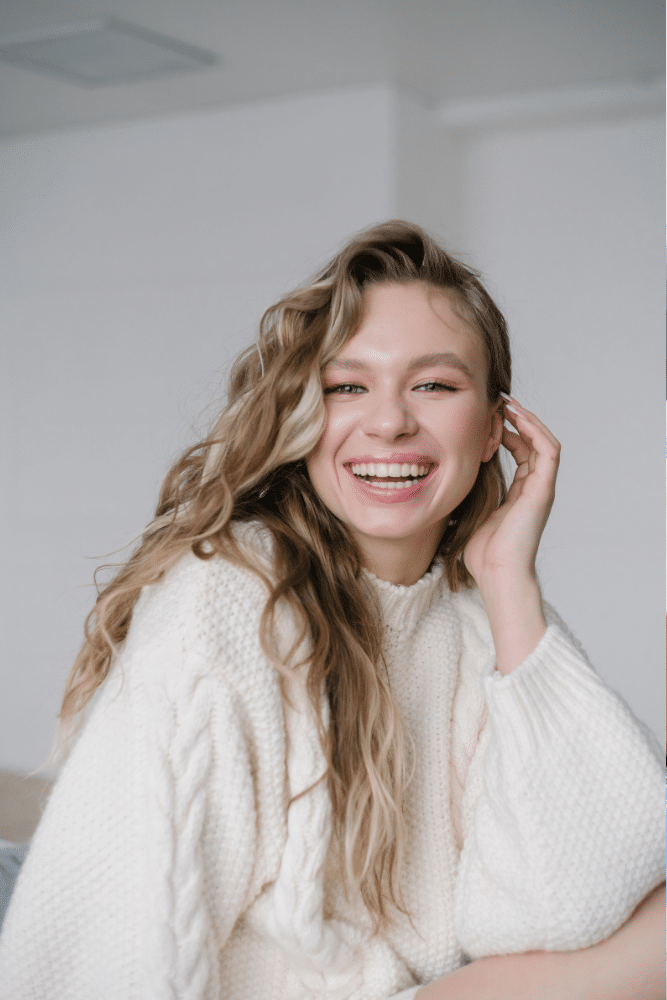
pixel 171 862
pixel 181 757
pixel 297 919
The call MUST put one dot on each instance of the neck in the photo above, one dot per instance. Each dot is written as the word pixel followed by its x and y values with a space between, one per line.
pixel 398 560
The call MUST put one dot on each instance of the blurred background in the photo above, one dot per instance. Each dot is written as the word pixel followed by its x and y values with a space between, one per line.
pixel 148 219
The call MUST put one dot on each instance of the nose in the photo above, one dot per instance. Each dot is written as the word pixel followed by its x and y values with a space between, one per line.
pixel 389 416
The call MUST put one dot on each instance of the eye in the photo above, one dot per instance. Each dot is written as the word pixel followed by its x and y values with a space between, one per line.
pixel 345 389
pixel 436 387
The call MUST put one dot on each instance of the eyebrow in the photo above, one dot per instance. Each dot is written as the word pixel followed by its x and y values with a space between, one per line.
pixel 423 361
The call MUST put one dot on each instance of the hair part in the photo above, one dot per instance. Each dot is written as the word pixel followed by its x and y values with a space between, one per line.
pixel 251 468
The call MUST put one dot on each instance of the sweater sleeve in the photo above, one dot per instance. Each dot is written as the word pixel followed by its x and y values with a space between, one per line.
pixel 114 898
pixel 564 801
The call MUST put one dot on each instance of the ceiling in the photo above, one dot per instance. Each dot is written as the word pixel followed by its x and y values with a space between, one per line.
pixel 437 51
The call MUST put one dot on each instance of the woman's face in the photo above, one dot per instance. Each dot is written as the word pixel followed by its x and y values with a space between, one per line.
pixel 408 420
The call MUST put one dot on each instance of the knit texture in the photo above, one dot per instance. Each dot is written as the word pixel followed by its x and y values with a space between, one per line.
pixel 169 863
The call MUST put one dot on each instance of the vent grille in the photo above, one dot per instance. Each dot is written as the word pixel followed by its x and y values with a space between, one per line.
pixel 101 52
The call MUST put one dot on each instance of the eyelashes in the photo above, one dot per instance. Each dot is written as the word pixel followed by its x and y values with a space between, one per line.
pixel 437 387
pixel 344 389
pixel 352 389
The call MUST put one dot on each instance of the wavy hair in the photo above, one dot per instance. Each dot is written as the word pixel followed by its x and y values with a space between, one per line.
pixel 251 468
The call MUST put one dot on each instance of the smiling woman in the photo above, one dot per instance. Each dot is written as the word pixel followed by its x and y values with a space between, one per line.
pixel 419 375
pixel 342 747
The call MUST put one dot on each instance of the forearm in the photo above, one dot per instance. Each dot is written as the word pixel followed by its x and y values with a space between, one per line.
pixel 516 616
pixel 630 965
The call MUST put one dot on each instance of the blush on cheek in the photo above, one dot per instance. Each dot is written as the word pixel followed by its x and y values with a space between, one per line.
pixel 466 425
pixel 472 425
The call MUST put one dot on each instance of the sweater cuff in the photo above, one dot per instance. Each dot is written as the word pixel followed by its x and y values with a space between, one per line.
pixel 552 690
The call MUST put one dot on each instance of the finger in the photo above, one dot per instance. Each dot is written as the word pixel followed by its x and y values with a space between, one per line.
pixel 512 404
pixel 532 430
pixel 517 447
pixel 543 448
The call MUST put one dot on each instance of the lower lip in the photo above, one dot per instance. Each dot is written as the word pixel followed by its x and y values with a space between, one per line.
pixel 382 494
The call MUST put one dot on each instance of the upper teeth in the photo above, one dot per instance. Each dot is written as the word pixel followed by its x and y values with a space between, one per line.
pixel 394 471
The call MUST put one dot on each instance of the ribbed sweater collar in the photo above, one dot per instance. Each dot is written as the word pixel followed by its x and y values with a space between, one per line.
pixel 404 607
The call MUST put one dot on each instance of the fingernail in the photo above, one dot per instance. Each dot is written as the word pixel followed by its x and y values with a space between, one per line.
pixel 512 410
pixel 510 400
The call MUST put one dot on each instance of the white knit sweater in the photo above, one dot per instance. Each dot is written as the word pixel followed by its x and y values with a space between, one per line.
pixel 167 863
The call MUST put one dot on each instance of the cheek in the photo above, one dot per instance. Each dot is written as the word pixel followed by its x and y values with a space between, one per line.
pixel 467 428
pixel 339 424
pixel 315 461
pixel 320 461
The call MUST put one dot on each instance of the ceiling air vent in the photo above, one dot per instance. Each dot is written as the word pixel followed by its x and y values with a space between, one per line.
pixel 100 52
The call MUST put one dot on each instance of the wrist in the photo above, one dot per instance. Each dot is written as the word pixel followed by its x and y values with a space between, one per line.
pixel 497 583
pixel 514 607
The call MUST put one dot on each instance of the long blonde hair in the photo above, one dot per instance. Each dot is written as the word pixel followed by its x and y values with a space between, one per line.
pixel 251 468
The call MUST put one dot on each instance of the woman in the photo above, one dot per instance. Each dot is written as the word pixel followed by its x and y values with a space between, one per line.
pixel 341 747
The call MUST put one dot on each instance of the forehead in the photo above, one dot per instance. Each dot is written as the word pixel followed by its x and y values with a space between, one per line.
pixel 401 321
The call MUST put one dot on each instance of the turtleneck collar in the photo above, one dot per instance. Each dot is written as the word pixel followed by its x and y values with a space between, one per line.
pixel 404 607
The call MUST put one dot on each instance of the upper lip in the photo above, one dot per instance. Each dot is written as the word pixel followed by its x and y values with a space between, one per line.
pixel 411 457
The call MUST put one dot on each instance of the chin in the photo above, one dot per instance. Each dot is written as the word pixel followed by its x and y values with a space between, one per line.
pixel 394 528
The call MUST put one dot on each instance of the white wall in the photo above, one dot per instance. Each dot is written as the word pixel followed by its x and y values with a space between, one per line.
pixel 567 223
pixel 138 258
pixel 135 263
pixel 564 219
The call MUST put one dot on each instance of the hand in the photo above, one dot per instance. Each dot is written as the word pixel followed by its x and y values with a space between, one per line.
pixel 501 554
pixel 506 544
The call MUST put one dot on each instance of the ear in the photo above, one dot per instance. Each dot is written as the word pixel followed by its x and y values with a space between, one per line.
pixel 495 436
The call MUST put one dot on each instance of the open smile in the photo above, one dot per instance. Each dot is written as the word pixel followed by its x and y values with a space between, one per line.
pixel 390 476
pixel 390 482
